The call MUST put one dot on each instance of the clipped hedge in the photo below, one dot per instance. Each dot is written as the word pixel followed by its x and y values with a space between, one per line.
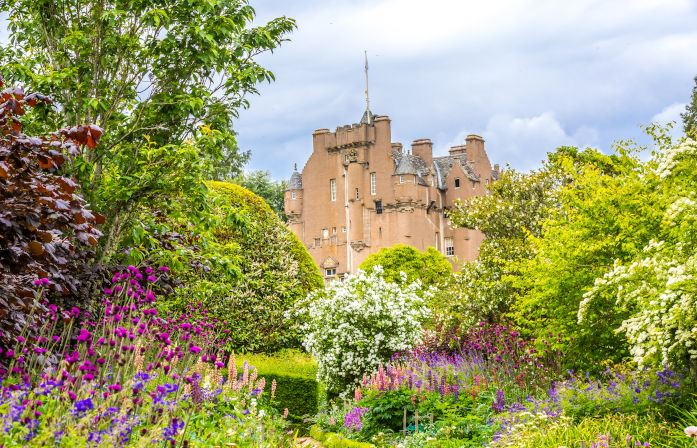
pixel 297 393
pixel 262 215
pixel 272 270
pixel 333 440
pixel 296 385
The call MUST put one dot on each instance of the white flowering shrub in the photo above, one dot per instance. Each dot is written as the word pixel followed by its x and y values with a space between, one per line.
pixel 353 326
pixel 659 287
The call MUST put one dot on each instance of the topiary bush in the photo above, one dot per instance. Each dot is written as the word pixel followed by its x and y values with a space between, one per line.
pixel 256 269
pixel 296 385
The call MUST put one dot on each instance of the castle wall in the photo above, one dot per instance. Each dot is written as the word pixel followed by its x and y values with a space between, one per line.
pixel 341 233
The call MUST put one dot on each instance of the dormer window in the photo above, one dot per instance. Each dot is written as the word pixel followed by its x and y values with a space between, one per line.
pixel 401 179
pixel 457 182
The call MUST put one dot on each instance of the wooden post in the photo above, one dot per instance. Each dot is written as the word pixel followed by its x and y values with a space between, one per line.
pixel 416 417
pixel 404 426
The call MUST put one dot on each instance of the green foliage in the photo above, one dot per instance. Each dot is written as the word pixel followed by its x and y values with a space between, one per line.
pixel 656 286
pixel 607 211
pixel 610 430
pixel 515 209
pixel 254 270
pixel 296 386
pixel 689 117
pixel 260 183
pixel 159 79
pixel 333 440
pixel 430 267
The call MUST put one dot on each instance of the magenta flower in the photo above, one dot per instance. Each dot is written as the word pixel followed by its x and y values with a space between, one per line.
pixel 194 349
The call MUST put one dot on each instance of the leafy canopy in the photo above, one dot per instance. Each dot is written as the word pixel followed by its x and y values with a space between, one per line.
pixel 430 266
pixel 154 75
pixel 260 183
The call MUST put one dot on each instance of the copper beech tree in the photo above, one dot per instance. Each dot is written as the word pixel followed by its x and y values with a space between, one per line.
pixel 45 224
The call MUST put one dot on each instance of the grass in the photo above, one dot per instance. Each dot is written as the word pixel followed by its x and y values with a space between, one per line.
pixel 281 363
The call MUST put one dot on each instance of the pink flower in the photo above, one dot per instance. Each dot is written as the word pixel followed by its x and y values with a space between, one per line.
pixel 691 432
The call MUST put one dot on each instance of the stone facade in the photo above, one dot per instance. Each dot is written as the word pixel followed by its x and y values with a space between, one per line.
pixel 360 192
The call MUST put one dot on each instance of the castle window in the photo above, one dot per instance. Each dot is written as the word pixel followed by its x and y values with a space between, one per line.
pixel 356 193
pixel 332 240
pixel 437 240
pixel 325 233
pixel 401 179
pixel 346 158
pixel 292 195
pixel 449 247
pixel 378 207
pixel 380 232
pixel 486 182
pixel 343 229
pixel 432 181
pixel 318 242
pixel 331 272
pixel 332 189
pixel 474 184
pixel 457 182
pixel 333 230
pixel 373 184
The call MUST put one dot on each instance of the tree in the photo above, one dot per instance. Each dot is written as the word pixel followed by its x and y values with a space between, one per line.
pixel 656 287
pixel 260 183
pixel 607 210
pixel 430 266
pixel 689 117
pixel 517 205
pixel 153 75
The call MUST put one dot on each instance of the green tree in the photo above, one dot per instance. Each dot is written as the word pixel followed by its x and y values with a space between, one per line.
pixel 689 117
pixel 430 266
pixel 514 210
pixel 607 210
pixel 260 183
pixel 656 287
pixel 153 74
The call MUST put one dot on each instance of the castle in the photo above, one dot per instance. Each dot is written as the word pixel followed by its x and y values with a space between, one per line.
pixel 360 192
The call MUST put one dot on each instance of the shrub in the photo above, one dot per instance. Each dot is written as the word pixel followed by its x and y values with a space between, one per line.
pixel 354 326
pixel 296 387
pixel 256 270
pixel 45 226
pixel 333 440
pixel 430 266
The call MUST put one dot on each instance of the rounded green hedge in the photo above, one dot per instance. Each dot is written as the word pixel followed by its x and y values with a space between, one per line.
pixel 256 270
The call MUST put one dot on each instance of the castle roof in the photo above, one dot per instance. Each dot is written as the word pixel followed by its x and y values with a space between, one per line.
pixel 365 120
pixel 409 164
pixel 446 163
pixel 295 182
pixel 495 175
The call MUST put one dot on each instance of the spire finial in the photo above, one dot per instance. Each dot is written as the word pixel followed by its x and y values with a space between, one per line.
pixel 295 167
pixel 367 96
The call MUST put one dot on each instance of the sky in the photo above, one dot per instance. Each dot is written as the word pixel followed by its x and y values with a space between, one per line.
pixel 527 75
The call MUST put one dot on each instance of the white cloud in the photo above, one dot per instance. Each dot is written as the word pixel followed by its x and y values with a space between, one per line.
pixel 669 114
pixel 524 141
